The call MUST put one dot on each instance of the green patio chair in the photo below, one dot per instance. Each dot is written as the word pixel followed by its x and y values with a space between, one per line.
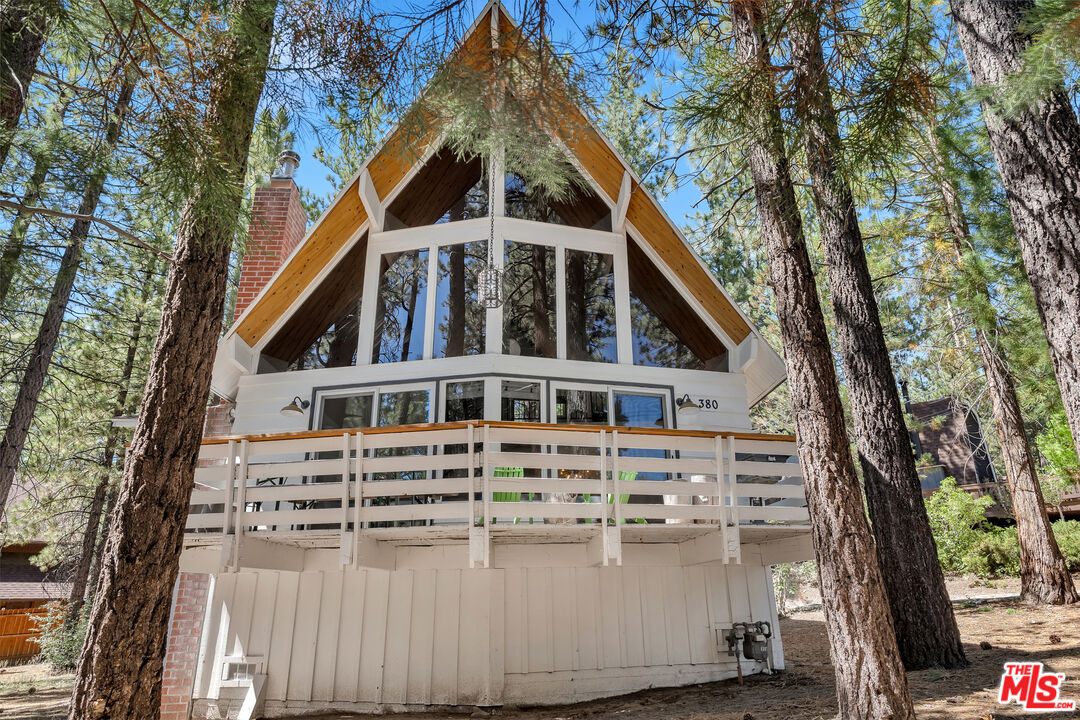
pixel 624 498
pixel 515 496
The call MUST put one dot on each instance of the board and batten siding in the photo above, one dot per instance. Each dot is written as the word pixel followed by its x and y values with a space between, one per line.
pixel 419 637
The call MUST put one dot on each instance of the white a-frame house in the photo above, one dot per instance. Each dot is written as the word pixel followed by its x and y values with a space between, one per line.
pixel 425 500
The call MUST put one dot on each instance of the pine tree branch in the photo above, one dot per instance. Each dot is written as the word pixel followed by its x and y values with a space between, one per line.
pixel 33 210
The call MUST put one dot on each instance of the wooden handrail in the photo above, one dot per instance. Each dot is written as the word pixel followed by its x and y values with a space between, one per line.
pixel 420 427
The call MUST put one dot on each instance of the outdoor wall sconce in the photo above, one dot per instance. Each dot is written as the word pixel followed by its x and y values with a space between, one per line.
pixel 296 407
pixel 686 406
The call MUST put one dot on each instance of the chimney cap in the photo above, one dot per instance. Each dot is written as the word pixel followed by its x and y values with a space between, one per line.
pixel 288 161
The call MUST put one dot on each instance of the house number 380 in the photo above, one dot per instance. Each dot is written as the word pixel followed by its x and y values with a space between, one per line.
pixel 708 404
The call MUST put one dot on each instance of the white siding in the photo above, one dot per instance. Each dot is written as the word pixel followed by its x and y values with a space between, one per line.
pixel 457 636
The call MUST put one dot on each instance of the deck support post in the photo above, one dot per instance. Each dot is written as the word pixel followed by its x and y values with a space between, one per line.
pixel 227 523
pixel 603 498
pixel 721 501
pixel 358 499
pixel 345 542
pixel 486 449
pixel 733 542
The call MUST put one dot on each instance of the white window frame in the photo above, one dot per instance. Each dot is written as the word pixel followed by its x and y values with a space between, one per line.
pixel 376 391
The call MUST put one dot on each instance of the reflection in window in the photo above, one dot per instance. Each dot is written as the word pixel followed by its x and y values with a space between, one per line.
pixel 399 312
pixel 336 347
pixel 529 300
pixel 654 342
pixel 459 318
pixel 520 401
pixel 464 400
pixel 590 307
pixel 581 407
pixel 406 407
pixel 667 332
pixel 353 411
pixel 473 204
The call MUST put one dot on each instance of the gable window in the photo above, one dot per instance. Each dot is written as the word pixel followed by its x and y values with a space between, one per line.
pixel 459 319
pixel 400 307
pixel 667 332
pixel 529 325
pixel 590 307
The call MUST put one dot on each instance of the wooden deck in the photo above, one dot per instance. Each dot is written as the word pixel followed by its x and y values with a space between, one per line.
pixel 521 483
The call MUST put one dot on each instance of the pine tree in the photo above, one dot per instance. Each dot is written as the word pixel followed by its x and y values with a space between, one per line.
pixel 49 332
pixel 24 25
pixel 870 679
pixel 926 630
pixel 1044 577
pixel 119 673
pixel 1036 148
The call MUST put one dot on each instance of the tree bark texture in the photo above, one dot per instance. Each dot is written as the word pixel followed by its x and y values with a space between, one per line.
pixel 870 680
pixel 1044 576
pixel 120 669
pixel 24 25
pixel 33 380
pixel 1038 156
pixel 16 242
pixel 926 631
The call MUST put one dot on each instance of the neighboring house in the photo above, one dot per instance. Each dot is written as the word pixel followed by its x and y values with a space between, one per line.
pixel 423 500
pixel 951 434
pixel 24 590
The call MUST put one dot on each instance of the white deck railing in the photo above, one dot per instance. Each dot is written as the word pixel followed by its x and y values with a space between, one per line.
pixel 422 476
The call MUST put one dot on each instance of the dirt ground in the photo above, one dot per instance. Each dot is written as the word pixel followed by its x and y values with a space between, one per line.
pixel 803 692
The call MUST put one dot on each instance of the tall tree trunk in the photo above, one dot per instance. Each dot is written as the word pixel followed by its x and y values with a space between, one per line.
pixel 22 413
pixel 870 680
pixel 1044 576
pixel 16 241
pixel 90 545
pixel 1038 155
pixel 24 25
pixel 119 674
pixel 926 631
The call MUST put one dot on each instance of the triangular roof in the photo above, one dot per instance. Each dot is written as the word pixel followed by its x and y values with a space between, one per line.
pixel 391 164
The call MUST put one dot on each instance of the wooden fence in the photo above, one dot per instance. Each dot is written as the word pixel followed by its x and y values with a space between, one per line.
pixel 19 633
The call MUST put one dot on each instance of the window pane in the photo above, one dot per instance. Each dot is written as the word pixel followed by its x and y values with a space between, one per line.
pixel 353 411
pixel 581 407
pixel 336 347
pixel 590 307
pixel 529 300
pixel 464 401
pixel 459 318
pixel 632 410
pixel 399 313
pixel 520 401
pixel 667 332
pixel 407 407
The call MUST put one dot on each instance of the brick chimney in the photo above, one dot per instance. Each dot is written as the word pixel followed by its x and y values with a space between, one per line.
pixel 278 224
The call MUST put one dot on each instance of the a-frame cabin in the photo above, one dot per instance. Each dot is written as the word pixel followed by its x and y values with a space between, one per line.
pixel 416 500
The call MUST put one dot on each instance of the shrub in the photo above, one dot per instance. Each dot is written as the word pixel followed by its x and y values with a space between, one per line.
pixel 788 581
pixel 994 553
pixel 60 648
pixel 1067 533
pixel 955 520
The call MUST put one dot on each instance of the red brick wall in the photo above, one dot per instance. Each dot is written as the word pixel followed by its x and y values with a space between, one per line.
pixel 218 423
pixel 182 654
pixel 278 223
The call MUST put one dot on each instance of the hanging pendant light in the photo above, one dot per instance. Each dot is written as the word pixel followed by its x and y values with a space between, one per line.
pixel 490 290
